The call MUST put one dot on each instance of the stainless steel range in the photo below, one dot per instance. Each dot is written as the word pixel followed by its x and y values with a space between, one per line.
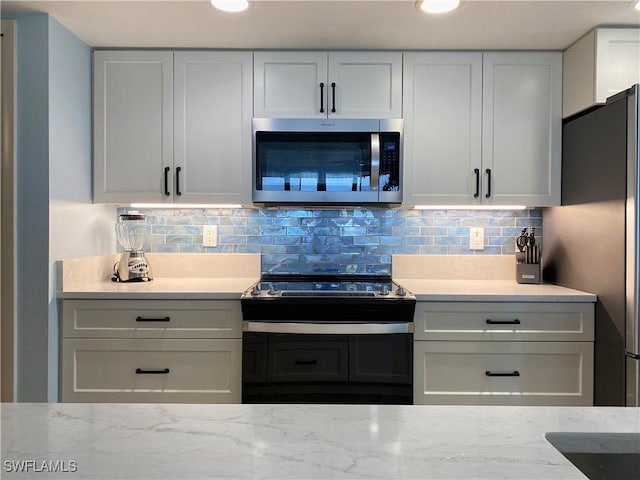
pixel 327 339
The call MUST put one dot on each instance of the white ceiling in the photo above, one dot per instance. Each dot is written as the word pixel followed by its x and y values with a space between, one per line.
pixel 332 24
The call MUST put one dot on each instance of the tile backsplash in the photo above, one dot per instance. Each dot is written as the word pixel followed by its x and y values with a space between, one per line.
pixel 350 239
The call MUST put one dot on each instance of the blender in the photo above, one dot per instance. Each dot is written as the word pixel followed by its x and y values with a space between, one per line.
pixel 133 266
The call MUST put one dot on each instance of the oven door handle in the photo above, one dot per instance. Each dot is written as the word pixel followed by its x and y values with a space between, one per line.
pixel 332 328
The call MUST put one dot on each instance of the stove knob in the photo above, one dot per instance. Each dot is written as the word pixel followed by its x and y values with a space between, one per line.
pixel 272 291
pixel 255 291
pixel 384 291
pixel 401 292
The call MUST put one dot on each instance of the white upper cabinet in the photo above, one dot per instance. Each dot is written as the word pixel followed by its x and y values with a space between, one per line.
pixel 522 128
pixel 133 122
pixel 602 63
pixel 442 128
pixel 482 128
pixel 290 84
pixel 172 127
pixel 334 85
pixel 212 127
pixel 367 85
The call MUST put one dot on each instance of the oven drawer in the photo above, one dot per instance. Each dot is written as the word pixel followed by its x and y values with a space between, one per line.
pixel 504 373
pixel 148 370
pixel 496 321
pixel 308 362
pixel 381 359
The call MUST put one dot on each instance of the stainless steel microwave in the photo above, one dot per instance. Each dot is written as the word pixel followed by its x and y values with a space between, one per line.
pixel 327 161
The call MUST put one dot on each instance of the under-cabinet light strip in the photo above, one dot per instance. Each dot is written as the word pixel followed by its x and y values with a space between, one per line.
pixel 470 207
pixel 183 205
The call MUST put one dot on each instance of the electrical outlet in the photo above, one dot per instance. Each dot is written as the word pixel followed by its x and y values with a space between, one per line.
pixel 210 236
pixel 476 238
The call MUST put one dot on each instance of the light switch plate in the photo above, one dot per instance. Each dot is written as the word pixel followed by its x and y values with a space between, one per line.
pixel 476 238
pixel 210 236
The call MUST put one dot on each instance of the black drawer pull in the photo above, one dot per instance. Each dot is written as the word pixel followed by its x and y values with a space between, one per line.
pixel 306 362
pixel 503 322
pixel 153 319
pixel 488 172
pixel 178 170
pixel 333 95
pixel 143 371
pixel 489 373
pixel 477 172
pixel 166 181
pixel 321 97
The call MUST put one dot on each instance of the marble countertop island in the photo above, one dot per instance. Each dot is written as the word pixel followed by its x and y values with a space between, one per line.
pixel 177 441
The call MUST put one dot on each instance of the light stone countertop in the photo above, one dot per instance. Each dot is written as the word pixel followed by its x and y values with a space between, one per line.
pixel 163 288
pixel 178 441
pixel 226 276
pixel 471 278
pixel 438 290
pixel 175 277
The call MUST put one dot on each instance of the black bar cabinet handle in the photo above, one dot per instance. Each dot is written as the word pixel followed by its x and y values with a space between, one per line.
pixel 166 181
pixel 477 172
pixel 178 170
pixel 153 319
pixel 489 373
pixel 321 97
pixel 333 96
pixel 144 371
pixel 503 322
pixel 306 362
pixel 488 172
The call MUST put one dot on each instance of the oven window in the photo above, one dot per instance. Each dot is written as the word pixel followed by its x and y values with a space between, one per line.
pixel 313 162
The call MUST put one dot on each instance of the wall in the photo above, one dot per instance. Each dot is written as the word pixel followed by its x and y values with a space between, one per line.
pixel 55 219
pixel 363 237
pixel 77 228
pixel 32 223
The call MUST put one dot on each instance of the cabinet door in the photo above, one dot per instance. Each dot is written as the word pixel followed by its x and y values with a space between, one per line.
pixel 367 85
pixel 618 60
pixel 151 319
pixel 133 121
pixel 503 373
pixel 287 84
pixel 522 121
pixel 443 114
pixel 143 370
pixel 212 127
pixel 502 321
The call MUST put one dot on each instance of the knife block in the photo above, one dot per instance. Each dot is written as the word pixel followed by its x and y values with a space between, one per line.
pixel 528 273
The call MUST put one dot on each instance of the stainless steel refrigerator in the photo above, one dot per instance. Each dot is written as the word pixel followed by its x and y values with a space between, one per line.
pixel 591 242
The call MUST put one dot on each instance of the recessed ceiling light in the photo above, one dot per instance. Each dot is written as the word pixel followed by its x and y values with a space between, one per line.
pixel 437 6
pixel 637 5
pixel 231 5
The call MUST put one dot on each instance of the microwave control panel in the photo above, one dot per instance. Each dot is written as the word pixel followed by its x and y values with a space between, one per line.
pixel 389 162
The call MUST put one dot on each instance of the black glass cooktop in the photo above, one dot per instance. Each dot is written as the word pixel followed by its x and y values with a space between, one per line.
pixel 345 284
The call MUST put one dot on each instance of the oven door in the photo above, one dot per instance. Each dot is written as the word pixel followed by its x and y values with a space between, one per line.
pixel 299 362
pixel 322 161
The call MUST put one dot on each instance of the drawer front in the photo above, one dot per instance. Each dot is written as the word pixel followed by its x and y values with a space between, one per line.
pixel 309 361
pixel 185 371
pixel 499 373
pixel 504 321
pixel 151 319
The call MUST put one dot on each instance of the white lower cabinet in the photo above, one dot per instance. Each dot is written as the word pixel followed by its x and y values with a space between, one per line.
pixel 149 370
pixel 151 351
pixel 504 353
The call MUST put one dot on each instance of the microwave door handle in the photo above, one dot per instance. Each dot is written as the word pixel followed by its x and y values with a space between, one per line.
pixel 375 160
